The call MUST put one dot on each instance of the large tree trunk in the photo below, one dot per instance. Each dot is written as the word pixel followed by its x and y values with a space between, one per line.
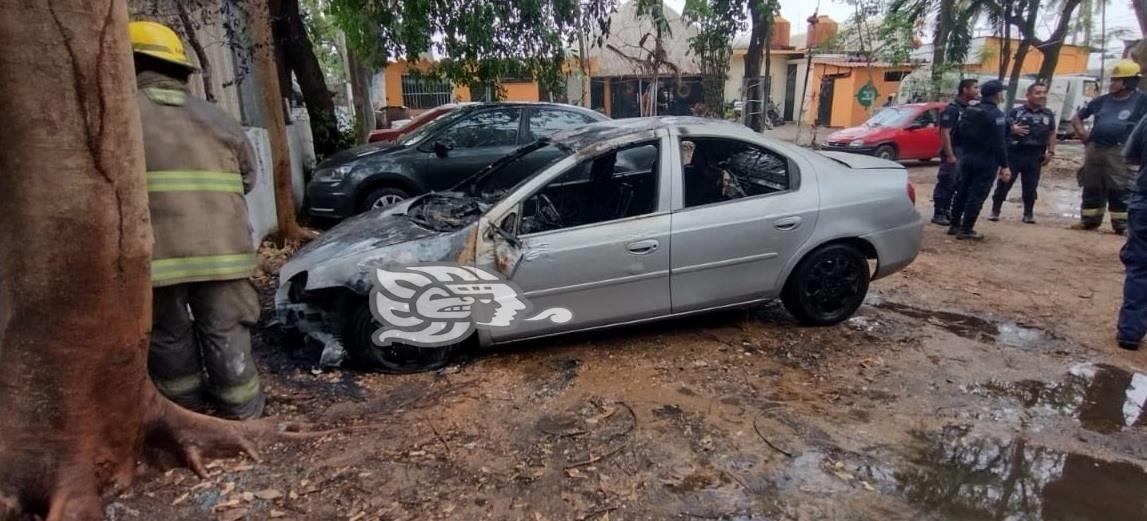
pixel 766 90
pixel 761 20
pixel 1024 18
pixel 1054 43
pixel 1017 70
pixel 1005 47
pixel 360 90
pixel 75 296
pixel 279 39
pixel 940 45
pixel 300 54
pixel 274 118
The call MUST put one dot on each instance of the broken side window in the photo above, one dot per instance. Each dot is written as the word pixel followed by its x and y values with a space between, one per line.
pixel 616 185
pixel 719 170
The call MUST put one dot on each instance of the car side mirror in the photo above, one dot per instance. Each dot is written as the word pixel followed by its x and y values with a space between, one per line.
pixel 443 147
pixel 916 126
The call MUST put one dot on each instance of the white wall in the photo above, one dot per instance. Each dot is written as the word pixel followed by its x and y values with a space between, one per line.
pixel 737 75
pixel 261 198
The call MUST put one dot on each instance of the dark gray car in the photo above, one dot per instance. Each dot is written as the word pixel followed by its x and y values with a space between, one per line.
pixel 434 157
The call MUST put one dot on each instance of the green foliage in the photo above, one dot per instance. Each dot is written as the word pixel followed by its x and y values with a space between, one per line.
pixel 483 41
pixel 898 34
pixel 324 38
pixel 964 15
pixel 716 21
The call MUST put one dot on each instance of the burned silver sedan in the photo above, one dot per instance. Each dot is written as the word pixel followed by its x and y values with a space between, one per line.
pixel 614 223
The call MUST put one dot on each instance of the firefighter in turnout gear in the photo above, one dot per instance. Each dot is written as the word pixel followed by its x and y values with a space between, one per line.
pixel 1105 177
pixel 199 166
pixel 1031 145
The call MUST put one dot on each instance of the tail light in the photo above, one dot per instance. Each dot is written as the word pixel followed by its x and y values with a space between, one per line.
pixel 912 193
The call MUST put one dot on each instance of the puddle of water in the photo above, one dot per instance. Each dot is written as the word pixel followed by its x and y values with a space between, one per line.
pixel 1065 202
pixel 1003 333
pixel 967 478
pixel 1104 398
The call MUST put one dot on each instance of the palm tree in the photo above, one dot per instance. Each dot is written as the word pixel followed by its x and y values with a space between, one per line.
pixel 952 34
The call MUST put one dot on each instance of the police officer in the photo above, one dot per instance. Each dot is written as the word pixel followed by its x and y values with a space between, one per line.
pixel 950 150
pixel 1105 177
pixel 199 165
pixel 1031 145
pixel 1133 315
pixel 982 134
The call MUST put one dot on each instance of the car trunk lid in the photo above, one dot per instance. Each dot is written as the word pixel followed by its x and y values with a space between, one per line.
pixel 859 162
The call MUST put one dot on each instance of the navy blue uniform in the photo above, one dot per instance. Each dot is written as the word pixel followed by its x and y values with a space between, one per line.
pixel 1025 154
pixel 983 140
pixel 946 177
pixel 1133 315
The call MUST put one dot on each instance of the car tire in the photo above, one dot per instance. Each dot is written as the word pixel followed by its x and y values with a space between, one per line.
pixel 396 358
pixel 886 152
pixel 828 285
pixel 382 197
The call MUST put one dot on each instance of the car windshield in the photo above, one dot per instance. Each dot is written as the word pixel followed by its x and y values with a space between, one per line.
pixel 495 181
pixel 446 118
pixel 890 117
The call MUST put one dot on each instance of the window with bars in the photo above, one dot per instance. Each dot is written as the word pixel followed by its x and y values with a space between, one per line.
pixel 895 76
pixel 420 92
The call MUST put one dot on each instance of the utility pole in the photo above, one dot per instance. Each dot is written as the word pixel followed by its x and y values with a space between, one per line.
pixel 1103 37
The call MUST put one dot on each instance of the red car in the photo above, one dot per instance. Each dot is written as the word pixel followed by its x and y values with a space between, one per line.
pixel 392 134
pixel 896 133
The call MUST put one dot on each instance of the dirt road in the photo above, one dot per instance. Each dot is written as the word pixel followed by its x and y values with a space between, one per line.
pixel 981 383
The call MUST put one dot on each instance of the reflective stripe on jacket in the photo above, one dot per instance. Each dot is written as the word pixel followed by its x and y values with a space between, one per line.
pixel 199 165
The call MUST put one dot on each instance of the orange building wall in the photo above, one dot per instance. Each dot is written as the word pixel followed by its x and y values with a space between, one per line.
pixel 1072 59
pixel 846 110
pixel 394 72
pixel 521 91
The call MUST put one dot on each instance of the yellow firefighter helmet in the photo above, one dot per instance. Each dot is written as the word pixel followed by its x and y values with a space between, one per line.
pixel 1125 69
pixel 158 41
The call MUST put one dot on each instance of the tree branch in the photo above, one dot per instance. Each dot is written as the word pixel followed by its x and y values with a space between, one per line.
pixel 197 46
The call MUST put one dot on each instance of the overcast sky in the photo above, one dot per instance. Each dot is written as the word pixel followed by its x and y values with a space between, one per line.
pixel 1119 15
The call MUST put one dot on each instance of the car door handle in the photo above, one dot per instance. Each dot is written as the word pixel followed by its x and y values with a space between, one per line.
pixel 643 247
pixel 785 224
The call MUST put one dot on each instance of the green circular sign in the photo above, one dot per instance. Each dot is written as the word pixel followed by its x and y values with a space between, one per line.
pixel 867 95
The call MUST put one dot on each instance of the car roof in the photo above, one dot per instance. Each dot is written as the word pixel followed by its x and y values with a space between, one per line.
pixel 475 105
pixel 607 130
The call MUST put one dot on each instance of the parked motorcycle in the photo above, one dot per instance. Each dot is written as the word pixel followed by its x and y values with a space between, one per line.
pixel 773 115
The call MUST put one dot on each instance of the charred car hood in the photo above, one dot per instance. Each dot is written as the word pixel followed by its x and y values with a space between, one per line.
pixel 347 255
